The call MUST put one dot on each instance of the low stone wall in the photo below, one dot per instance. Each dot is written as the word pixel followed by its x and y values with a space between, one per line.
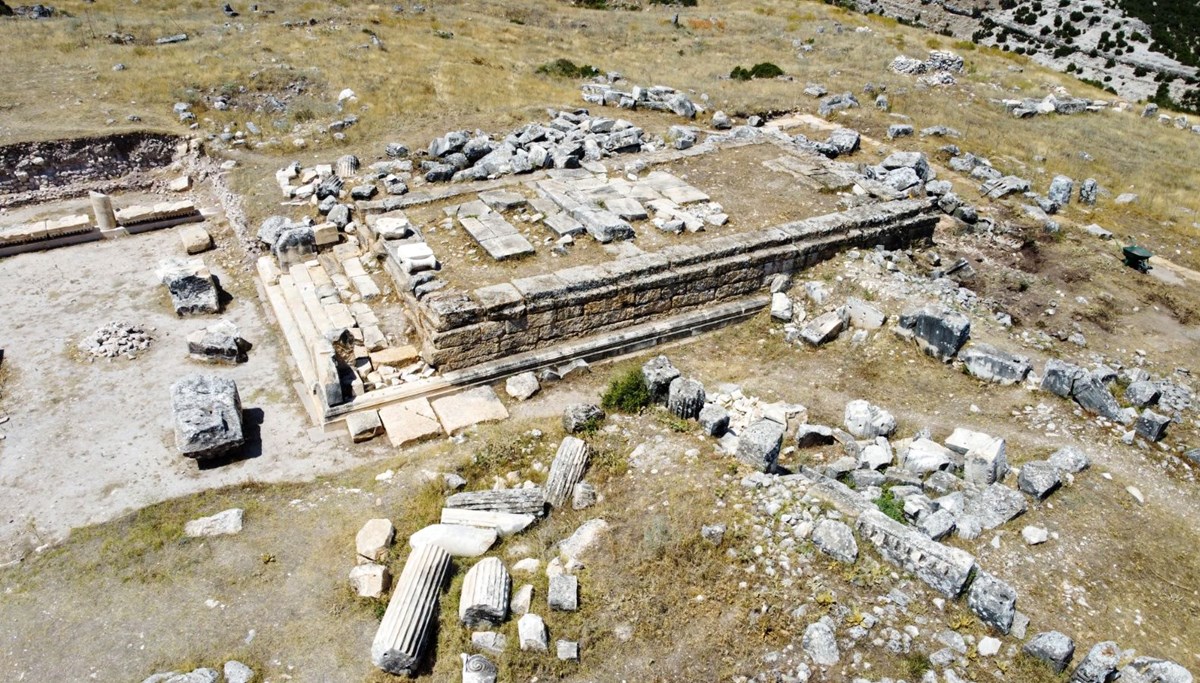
pixel 32 171
pixel 461 329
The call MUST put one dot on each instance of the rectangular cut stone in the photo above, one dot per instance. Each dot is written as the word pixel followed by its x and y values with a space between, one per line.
pixel 943 568
pixel 409 422
pixel 626 208
pixel 395 355
pixel 563 224
pixel 685 195
pixel 459 411
pixel 497 236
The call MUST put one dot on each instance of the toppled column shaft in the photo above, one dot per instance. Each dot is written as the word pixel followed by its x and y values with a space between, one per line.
pixel 411 614
pixel 566 470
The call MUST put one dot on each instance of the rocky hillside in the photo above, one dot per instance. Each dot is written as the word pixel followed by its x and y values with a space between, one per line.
pixel 1108 43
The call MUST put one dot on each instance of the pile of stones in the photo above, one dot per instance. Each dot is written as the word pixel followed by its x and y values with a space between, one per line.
pixel 937 69
pixel 1051 104
pixel 117 339
pixel 569 138
pixel 657 98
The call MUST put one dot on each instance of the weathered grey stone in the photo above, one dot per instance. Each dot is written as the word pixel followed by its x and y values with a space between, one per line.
pixel 997 188
pixel 364 425
pixel 758 445
pixel 485 594
pixel 409 620
pixel 781 307
pixel 522 387
pixel 201 675
pixel 583 496
pixel 995 365
pixel 1059 377
pixel 937 524
pixel 836 540
pixel 581 417
pixel 941 483
pixel 713 533
pixel 820 644
pixel 1152 426
pixel 899 130
pixel 1088 191
pixel 658 373
pixel 208 416
pixel 685 398
pixel 876 455
pixel 218 343
pixel 478 669
pixel 813 435
pixel 236 672
pixel 522 600
pixel 1142 393
pixel 863 315
pixel 1061 189
pixel 491 641
pixel 1039 478
pixel 1093 396
pixel 1070 459
pixel 837 102
pixel 823 328
pixel 993 601
pixel 1152 670
pixel 568 650
pixel 943 568
pixel 532 633
pixel 191 286
pixel 221 524
pixel 844 140
pixel 721 121
pixel 867 421
pixel 457 539
pixel 295 245
pixel 522 501
pixel 583 539
pixel 369 580
pixel 563 593
pixel 714 420
pixel 926 455
pixel 985 460
pixel 1100 664
pixel 373 540
pixel 938 331
pixel 996 505
pixel 566 470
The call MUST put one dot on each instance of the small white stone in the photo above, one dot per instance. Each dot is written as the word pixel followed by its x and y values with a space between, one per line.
pixel 1137 495
pixel 988 646
pixel 1034 535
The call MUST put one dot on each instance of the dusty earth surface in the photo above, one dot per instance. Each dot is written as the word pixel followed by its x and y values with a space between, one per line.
pixel 90 440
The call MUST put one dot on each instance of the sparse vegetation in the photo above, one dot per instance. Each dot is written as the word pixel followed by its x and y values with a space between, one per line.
pixel 760 70
pixel 627 392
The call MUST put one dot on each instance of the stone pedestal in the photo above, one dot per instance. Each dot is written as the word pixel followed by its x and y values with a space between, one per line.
pixel 106 218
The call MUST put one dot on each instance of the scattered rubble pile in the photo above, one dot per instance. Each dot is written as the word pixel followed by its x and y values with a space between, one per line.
pixel 117 339
pixel 1052 104
pixel 234 672
pixel 938 69
pixel 472 522
pixel 658 98
pixel 907 495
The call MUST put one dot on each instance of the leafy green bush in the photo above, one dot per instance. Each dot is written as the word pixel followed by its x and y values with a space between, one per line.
pixel 565 68
pixel 627 393
pixel 889 506
pixel 760 70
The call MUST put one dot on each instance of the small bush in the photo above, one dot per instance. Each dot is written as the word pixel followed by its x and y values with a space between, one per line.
pixel 760 70
pixel 889 506
pixel 627 393
pixel 565 68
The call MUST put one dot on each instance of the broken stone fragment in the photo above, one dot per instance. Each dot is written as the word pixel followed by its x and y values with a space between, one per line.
pixel 192 287
pixel 218 343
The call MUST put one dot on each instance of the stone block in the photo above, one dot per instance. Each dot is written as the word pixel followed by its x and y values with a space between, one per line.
pixel 208 416
pixel 364 425
pixel 563 594
pixel 467 408
pixel 409 421
pixel 195 239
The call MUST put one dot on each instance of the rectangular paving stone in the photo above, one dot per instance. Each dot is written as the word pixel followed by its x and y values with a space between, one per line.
pixel 470 407
pixel 408 422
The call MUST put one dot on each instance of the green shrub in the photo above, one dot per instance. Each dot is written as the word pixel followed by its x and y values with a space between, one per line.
pixel 760 70
pixel 889 506
pixel 627 393
pixel 565 68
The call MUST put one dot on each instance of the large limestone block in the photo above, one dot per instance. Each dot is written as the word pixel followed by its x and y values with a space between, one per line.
pixel 221 524
pixel 658 373
pixel 758 445
pixel 191 286
pixel 532 632
pixel 208 416
pixel 369 580
pixel 938 331
pixel 943 568
pixel 505 524
pixel 522 501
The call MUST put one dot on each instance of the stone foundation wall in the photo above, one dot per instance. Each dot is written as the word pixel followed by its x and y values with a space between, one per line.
pixel 30 171
pixel 461 329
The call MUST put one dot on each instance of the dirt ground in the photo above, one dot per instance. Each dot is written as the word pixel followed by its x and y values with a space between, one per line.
pixel 89 441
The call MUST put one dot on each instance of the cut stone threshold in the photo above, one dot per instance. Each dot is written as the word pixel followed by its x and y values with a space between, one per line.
pixel 607 345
